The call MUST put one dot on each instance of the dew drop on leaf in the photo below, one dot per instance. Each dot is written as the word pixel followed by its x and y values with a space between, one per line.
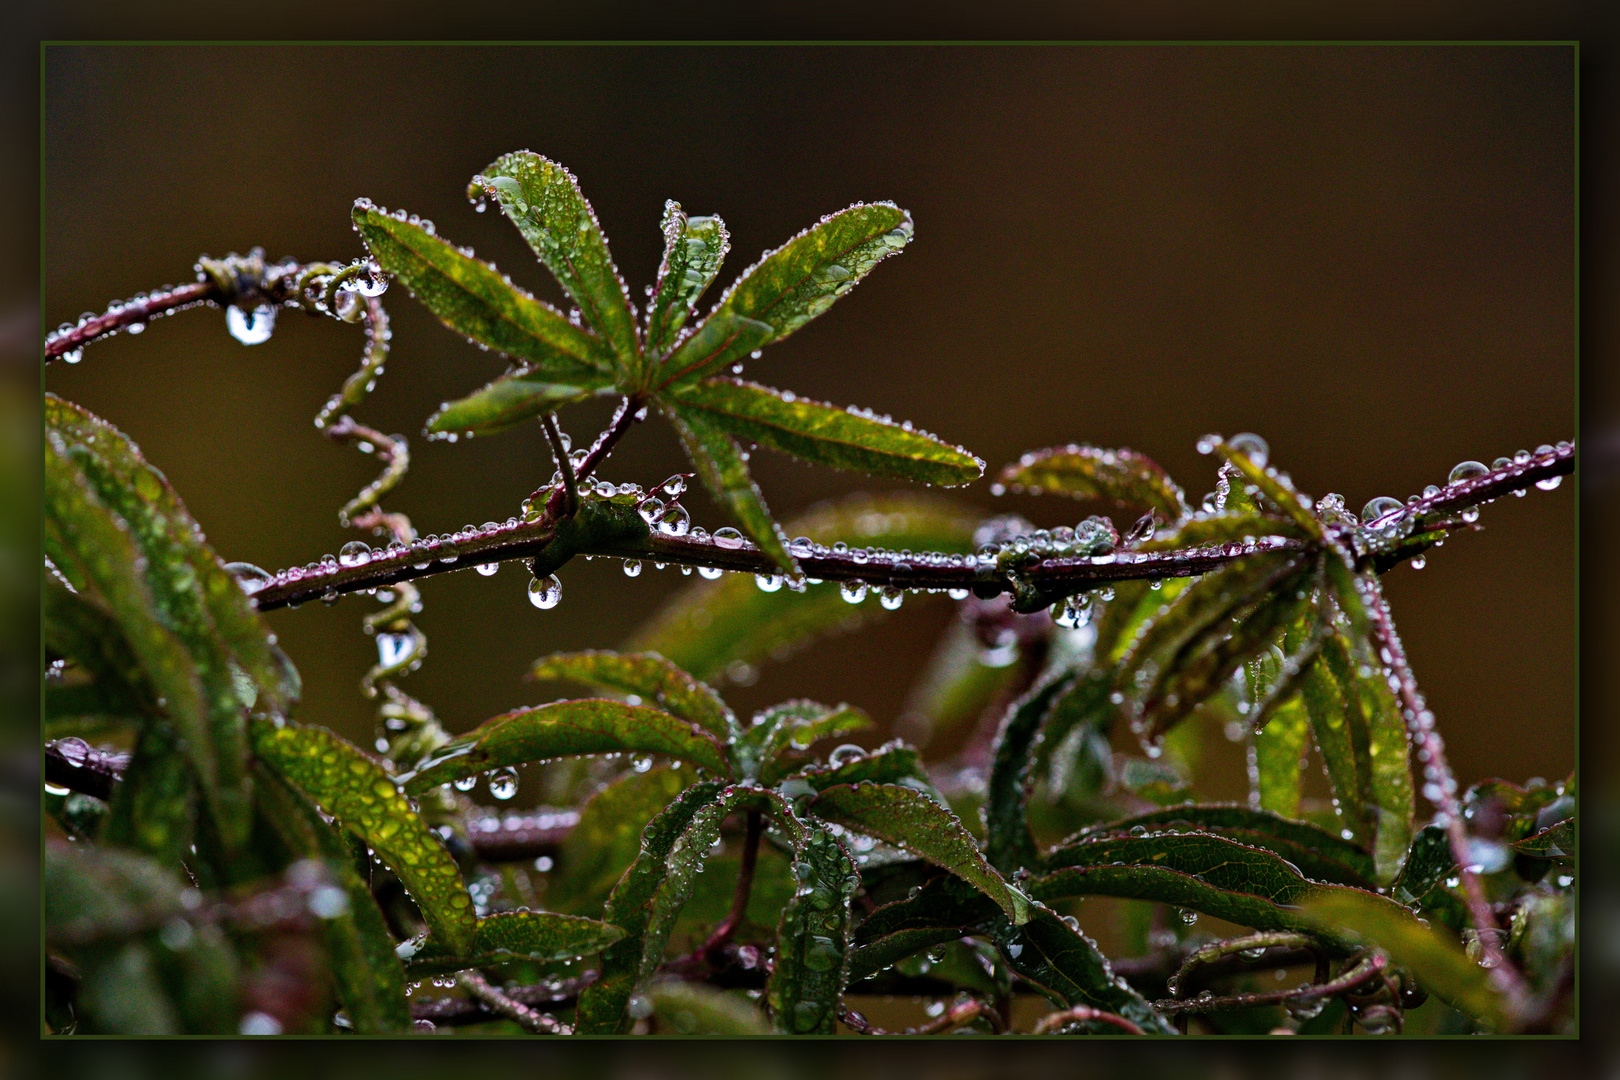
pixel 466 783
pixel 853 591
pixel 1252 447
pixel 503 783
pixel 891 597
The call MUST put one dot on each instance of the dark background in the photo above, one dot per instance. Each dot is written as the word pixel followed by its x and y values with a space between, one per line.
pixel 1365 254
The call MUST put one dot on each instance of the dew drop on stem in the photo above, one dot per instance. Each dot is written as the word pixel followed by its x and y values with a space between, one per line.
pixel 545 594
pixel 251 327
pixel 354 553
pixel 1252 447
pixel 852 591
pixel 503 783
pixel 486 569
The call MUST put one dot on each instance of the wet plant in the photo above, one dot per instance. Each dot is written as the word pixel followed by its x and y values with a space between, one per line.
pixel 213 864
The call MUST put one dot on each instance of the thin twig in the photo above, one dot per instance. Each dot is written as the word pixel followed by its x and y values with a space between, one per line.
pixel 631 410
pixel 1359 973
pixel 565 468
pixel 450 1011
pixel 1055 1021
pixel 962 1012
pixel 745 880
pixel 516 1011
pixel 139 311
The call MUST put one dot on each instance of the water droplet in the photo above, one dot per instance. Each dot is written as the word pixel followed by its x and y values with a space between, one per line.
pixel 488 568
pixel 853 591
pixel 845 753
pixel 641 764
pixel 545 594
pixel 957 594
pixel 1377 508
pixel 768 582
pixel 354 553
pixel 392 649
pixel 1251 446
pixel 1419 562
pixel 710 572
pixel 891 597
pixel 632 568
pixel 639 1006
pixel 466 783
pixel 1549 483
pixel 728 538
pixel 250 577
pixel 251 327
pixel 651 509
pixel 503 783
pixel 1187 916
pixel 675 521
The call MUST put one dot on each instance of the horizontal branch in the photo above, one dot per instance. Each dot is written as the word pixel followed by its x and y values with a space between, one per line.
pixel 1053 575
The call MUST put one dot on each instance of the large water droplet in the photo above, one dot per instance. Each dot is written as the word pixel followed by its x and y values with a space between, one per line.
pixel 250 577
pixel 728 538
pixel 675 521
pixel 251 327
pixel 503 783
pixel 710 572
pixel 466 783
pixel 1251 446
pixel 844 753
pixel 632 567
pixel 1377 508
pixel 853 591
pixel 392 648
pixel 488 568
pixel 768 582
pixel 892 597
pixel 354 553
pixel 1466 470
pixel 545 594
pixel 651 509
pixel 1548 483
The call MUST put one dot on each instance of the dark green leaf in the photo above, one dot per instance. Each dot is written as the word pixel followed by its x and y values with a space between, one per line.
pixel 812 941
pixel 714 624
pixel 648 676
pixel 910 819
pixel 1279 752
pixel 687 1008
pixel 1122 477
pixel 514 935
pixel 1429 862
pixel 894 763
pixel 1440 966
pixel 563 729
pixel 478 302
pixel 721 343
pixel 126 996
pixel 1206 528
pixel 693 250
pixel 508 401
pixel 94 893
pixel 151 808
pixel 723 467
pixel 607 836
pixel 943 909
pixel 1317 853
pixel 1010 842
pixel 370 978
pixel 1553 842
pixel 354 789
pixel 602 1003
pixel 780 737
pixel 1065 965
pixel 796 282
pixel 84 631
pixel 1342 746
pixel 544 201
pixel 1198 871
pixel 824 434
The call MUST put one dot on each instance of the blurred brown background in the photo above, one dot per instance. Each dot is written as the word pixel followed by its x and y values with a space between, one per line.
pixel 1365 254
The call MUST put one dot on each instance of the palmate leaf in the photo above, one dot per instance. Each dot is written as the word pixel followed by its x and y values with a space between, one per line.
pixel 478 302
pixel 723 467
pixel 824 434
pixel 693 250
pixel 790 286
pixel 1121 477
pixel 565 729
pixel 907 818
pixel 509 401
pixel 354 789
pixel 812 940
pixel 544 201
pixel 650 677
pixel 713 624
pixel 513 935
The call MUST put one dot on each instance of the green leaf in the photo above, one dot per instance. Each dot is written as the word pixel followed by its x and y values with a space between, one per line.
pixel 780 737
pixel 1220 527
pixel 1553 842
pixel 1065 965
pixel 1343 747
pixel 1428 864
pixel 910 819
pixel 693 250
pixel 1011 845
pixel 354 789
pixel 544 201
pixel 607 836
pixel 1387 797
pixel 943 909
pixel 478 302
pixel 564 729
pixel 1120 477
pixel 1279 751
pixel 152 807
pixel 796 282
pixel 602 1003
pixel 812 941
pixel 370 978
pixel 1440 966
pixel 723 467
pixel 650 677
pixel 721 343
pixel 82 630
pixel 513 935
pixel 1274 485
pixel 1199 871
pixel 687 1008
pixel 119 535
pixel 508 401
pixel 824 434
pixel 893 763
pixel 94 893
pixel 713 624
pixel 1318 854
